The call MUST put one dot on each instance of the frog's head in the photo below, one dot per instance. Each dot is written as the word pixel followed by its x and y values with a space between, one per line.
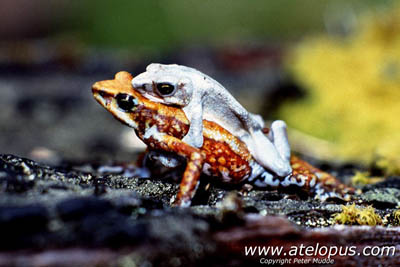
pixel 126 103
pixel 168 84
pixel 118 97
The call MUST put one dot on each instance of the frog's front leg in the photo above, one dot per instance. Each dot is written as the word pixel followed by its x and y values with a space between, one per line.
pixel 195 161
pixel 194 112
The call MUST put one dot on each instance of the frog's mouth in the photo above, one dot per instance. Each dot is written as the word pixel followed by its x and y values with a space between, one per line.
pixel 102 96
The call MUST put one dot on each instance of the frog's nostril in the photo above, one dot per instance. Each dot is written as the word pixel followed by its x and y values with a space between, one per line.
pixel 140 82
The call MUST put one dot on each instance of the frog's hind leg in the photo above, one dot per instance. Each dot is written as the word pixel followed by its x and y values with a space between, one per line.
pixel 191 175
pixel 321 184
pixel 308 178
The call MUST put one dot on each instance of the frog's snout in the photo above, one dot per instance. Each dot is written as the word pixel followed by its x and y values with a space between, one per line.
pixel 142 82
pixel 101 96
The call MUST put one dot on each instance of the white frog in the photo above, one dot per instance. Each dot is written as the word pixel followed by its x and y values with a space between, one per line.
pixel 201 97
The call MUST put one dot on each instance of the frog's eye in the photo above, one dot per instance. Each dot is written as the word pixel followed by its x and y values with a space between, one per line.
pixel 126 102
pixel 165 89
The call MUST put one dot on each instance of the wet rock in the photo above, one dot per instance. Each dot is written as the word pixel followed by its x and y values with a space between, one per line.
pixel 77 208
pixel 22 226
pixel 382 197
pixel 60 257
pixel 15 175
pixel 110 230
pixel 17 217
pixel 390 182
pixel 177 239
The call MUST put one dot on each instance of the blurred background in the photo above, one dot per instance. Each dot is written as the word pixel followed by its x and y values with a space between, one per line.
pixel 331 69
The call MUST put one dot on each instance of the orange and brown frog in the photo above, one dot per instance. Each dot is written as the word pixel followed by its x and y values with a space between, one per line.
pixel 222 154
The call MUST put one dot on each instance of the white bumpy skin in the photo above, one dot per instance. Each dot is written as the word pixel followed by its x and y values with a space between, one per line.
pixel 201 97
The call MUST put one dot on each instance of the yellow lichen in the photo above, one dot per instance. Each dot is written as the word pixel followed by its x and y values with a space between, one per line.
pixel 389 165
pixel 347 216
pixel 396 216
pixel 368 216
pixel 362 216
pixel 363 178
pixel 353 92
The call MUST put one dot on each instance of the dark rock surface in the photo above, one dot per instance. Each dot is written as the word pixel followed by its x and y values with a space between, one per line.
pixel 386 197
pixel 48 214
